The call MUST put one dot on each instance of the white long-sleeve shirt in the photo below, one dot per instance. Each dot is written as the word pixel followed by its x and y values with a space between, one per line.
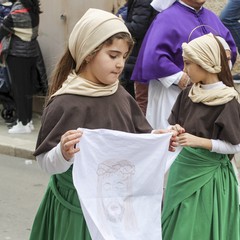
pixel 53 161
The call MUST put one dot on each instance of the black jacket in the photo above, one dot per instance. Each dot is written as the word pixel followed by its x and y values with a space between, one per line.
pixel 139 17
pixel 22 24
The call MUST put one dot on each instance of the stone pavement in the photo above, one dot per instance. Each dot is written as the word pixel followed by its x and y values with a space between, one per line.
pixel 19 145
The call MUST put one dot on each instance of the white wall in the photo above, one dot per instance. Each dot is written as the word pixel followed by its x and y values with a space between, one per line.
pixel 57 21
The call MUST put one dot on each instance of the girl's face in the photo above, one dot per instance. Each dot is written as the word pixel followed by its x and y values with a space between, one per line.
pixel 196 73
pixel 199 75
pixel 106 66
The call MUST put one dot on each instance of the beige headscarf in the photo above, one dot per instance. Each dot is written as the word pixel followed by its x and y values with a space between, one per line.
pixel 214 96
pixel 205 52
pixel 90 31
pixel 77 85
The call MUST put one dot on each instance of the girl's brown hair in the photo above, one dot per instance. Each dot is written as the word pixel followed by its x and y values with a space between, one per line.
pixel 67 63
pixel 225 75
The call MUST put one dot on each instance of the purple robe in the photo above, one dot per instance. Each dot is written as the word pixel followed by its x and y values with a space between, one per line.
pixel 161 51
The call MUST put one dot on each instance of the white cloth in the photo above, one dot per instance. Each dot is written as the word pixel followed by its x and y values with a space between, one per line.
pixel 160 103
pixel 119 180
pixel 161 5
pixel 53 162
pixel 172 79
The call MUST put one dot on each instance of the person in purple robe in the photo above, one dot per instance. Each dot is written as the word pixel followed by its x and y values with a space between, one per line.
pixel 160 58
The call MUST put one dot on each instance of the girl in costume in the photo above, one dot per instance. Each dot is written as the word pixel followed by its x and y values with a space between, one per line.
pixel 201 199
pixel 85 93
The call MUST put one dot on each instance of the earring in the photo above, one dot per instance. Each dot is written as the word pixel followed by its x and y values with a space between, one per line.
pixel 87 59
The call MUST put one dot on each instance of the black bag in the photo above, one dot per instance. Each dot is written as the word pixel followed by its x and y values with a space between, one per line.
pixel 5 84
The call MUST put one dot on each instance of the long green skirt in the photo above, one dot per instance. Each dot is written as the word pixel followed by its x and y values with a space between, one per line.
pixel 201 199
pixel 59 216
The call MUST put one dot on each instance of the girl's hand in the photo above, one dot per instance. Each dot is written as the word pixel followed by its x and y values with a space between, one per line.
pixel 68 143
pixel 184 81
pixel 174 139
pixel 177 128
pixel 189 140
pixel 159 131
pixel 174 142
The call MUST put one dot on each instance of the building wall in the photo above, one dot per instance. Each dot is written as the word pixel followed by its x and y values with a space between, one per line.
pixel 57 21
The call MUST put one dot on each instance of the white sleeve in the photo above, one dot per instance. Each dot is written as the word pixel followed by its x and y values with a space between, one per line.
pixel 223 147
pixel 169 80
pixel 53 161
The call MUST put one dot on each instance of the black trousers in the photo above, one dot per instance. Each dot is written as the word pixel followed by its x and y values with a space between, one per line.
pixel 22 71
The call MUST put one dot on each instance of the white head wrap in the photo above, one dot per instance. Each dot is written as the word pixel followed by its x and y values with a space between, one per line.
pixel 205 52
pixel 161 5
pixel 91 30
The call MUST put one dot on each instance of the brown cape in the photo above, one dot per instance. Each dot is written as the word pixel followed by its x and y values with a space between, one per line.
pixel 66 112
pixel 212 122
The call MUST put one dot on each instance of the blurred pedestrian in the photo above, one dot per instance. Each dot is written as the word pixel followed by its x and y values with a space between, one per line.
pixel 5 8
pixel 230 16
pixel 139 17
pixel 21 26
pixel 122 11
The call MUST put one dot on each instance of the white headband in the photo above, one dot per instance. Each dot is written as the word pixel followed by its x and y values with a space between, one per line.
pixel 161 5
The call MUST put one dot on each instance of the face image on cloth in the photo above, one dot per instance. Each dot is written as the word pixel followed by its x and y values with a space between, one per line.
pixel 119 186
pixel 115 179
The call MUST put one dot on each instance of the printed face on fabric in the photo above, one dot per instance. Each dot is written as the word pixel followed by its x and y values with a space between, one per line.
pixel 115 183
pixel 114 207
pixel 106 66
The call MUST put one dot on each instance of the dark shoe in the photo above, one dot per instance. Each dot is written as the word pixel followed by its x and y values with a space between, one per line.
pixel 236 78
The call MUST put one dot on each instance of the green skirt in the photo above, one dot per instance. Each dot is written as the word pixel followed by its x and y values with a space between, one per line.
pixel 201 199
pixel 60 216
